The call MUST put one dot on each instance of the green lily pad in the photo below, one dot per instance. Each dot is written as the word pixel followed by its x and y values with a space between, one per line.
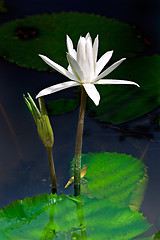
pixel 121 103
pixel 23 39
pixel 118 177
pixel 112 179
pixel 51 217
pixel 61 106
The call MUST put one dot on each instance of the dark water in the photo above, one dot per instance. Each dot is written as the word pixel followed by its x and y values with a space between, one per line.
pixel 23 163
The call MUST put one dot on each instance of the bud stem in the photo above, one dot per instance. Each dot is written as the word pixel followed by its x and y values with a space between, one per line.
pixel 52 170
pixel 78 148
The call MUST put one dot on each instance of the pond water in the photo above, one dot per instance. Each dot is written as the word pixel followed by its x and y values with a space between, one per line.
pixel 24 164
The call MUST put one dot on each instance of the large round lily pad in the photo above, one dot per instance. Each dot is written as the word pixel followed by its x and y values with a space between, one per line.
pixel 121 103
pixel 118 177
pixel 112 180
pixel 51 217
pixel 23 39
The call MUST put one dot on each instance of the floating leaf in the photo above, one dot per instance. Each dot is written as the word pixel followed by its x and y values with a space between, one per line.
pixel 61 106
pixel 107 216
pixel 49 216
pixel 121 103
pixel 23 39
pixel 117 177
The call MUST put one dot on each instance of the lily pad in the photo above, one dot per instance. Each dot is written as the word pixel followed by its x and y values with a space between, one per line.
pixel 61 106
pixel 118 177
pixel 121 103
pixel 111 178
pixel 51 217
pixel 23 39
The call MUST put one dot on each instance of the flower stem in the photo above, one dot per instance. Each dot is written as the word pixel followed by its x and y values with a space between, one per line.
pixel 78 149
pixel 52 170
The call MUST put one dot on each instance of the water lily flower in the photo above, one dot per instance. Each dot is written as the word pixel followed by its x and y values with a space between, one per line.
pixel 84 69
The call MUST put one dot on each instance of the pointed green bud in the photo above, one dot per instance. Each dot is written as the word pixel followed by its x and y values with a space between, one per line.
pixel 42 120
pixel 45 131
pixel 32 107
pixel 43 125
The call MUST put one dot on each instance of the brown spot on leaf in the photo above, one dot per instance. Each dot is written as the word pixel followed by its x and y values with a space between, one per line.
pixel 26 33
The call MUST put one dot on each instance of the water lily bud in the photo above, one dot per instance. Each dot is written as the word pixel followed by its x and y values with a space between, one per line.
pixel 45 131
pixel 42 120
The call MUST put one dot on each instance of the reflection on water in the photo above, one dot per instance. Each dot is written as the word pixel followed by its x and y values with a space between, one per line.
pixel 81 218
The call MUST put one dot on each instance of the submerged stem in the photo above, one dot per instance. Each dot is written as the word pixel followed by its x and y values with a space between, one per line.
pixel 52 170
pixel 78 149
pixel 79 206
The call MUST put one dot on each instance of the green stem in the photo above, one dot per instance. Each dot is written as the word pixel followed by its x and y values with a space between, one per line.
pixel 52 170
pixel 78 149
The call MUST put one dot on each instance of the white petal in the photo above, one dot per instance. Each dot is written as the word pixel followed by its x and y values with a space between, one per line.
pixel 113 81
pixel 95 49
pixel 70 69
pixel 56 88
pixel 90 59
pixel 57 67
pixel 88 36
pixel 92 93
pixel 75 68
pixel 103 61
pixel 110 69
pixel 70 48
pixel 81 52
pixel 81 57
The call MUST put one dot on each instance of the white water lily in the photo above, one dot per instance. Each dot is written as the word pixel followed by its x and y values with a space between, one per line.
pixel 84 69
